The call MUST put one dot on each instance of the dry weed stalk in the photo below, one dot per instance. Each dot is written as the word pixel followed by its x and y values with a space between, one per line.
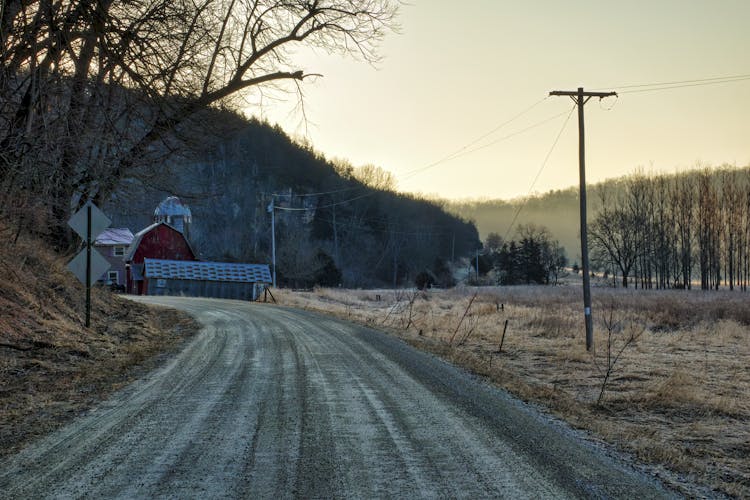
pixel 613 326
pixel 471 325
pixel 397 295
pixel 466 311
pixel 412 296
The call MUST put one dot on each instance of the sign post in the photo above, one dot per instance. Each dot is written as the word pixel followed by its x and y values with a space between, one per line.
pixel 89 264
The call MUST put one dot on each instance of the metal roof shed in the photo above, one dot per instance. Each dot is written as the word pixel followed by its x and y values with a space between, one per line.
pixel 205 279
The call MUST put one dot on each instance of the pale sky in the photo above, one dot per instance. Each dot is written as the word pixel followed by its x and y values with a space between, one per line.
pixel 458 70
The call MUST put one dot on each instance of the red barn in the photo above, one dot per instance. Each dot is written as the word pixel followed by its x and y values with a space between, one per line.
pixel 157 241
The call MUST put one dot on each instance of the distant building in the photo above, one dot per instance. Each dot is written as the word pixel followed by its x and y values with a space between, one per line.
pixel 160 261
pixel 113 244
pixel 157 241
pixel 205 279
pixel 175 213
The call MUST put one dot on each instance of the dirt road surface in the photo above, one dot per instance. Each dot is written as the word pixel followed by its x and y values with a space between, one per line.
pixel 272 402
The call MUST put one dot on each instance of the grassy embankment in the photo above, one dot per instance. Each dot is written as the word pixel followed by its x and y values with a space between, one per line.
pixel 51 367
pixel 678 396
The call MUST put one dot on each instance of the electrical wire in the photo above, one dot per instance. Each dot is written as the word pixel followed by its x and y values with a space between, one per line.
pixel 460 151
pixel 322 193
pixel 539 172
pixel 679 82
pixel 675 84
pixel 484 146
pixel 669 87
pixel 519 132
pixel 292 209
pixel 371 229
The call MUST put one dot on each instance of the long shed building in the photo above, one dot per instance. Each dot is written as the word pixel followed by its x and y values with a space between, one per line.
pixel 221 280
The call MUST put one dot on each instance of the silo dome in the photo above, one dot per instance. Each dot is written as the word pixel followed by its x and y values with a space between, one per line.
pixel 173 212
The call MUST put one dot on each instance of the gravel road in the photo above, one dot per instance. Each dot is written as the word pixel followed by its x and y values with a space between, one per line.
pixel 272 402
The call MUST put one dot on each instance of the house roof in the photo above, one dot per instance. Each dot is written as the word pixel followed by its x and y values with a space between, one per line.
pixel 206 271
pixel 143 232
pixel 115 236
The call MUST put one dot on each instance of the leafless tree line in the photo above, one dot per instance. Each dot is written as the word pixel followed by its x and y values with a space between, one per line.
pixel 658 231
pixel 93 92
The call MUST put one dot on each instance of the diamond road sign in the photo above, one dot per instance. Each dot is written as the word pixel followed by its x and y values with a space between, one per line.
pixel 79 221
pixel 99 265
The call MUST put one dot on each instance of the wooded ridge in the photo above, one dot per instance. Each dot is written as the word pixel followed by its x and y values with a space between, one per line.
pixel 335 224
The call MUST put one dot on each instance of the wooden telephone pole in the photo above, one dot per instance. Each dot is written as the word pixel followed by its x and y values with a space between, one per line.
pixel 581 98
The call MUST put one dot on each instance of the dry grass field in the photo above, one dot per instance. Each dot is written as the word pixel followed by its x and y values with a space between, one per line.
pixel 669 380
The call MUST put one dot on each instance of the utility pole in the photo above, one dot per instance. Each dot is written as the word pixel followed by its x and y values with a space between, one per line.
pixel 272 211
pixel 335 237
pixel 453 248
pixel 88 265
pixel 581 98
pixel 477 266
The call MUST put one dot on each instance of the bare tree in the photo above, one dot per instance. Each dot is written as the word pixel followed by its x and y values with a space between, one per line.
pixel 684 208
pixel 94 89
pixel 613 236
pixel 375 177
pixel 709 232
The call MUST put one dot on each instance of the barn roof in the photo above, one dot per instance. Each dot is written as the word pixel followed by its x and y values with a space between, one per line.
pixel 115 236
pixel 207 271
pixel 143 232
pixel 137 241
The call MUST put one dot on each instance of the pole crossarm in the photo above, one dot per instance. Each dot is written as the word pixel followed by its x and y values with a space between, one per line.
pixel 574 93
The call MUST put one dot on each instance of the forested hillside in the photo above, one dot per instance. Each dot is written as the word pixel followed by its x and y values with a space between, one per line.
pixel 335 224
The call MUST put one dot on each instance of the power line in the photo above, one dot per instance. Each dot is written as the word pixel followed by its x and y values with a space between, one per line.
pixel 715 79
pixel 676 84
pixel 460 151
pixel 322 193
pixel 539 172
pixel 484 146
pixel 669 87
pixel 519 132
pixel 383 230
pixel 291 209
